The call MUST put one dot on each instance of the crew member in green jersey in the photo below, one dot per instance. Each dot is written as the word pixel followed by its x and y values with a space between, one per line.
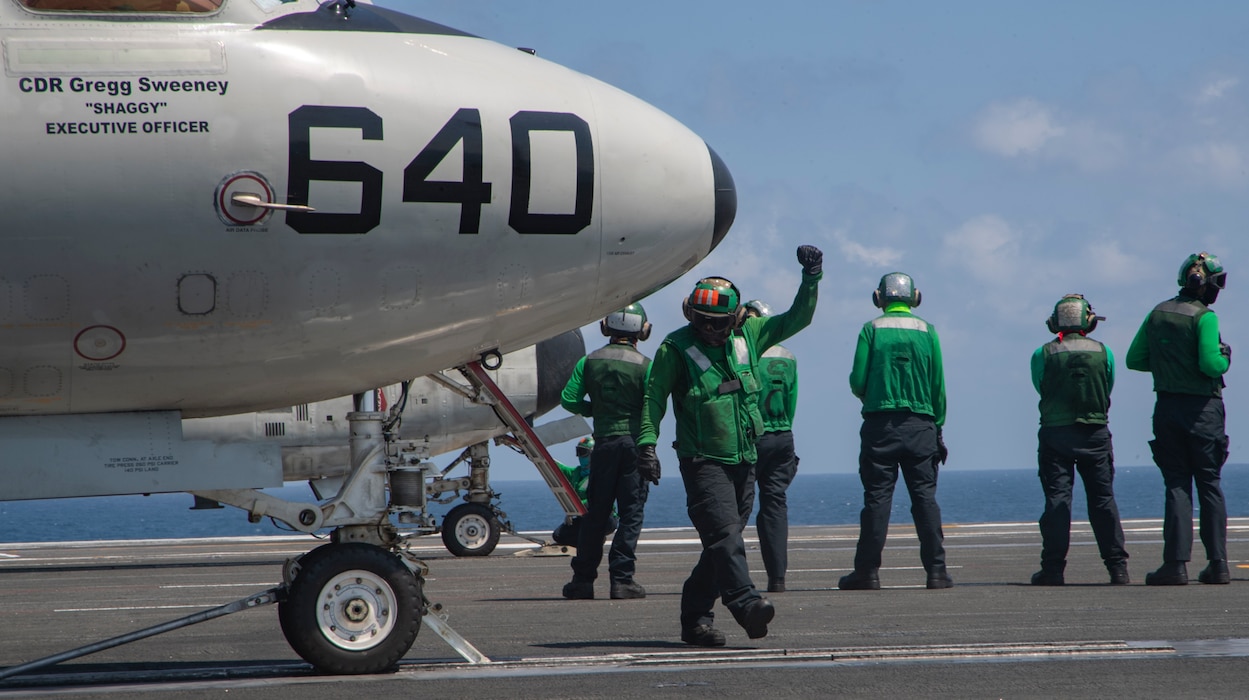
pixel 710 368
pixel 1179 344
pixel 898 376
pixel 578 477
pixel 614 380
pixel 777 463
pixel 1074 375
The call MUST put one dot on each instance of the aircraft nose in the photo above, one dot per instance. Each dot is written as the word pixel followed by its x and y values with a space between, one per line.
pixel 725 198
pixel 556 358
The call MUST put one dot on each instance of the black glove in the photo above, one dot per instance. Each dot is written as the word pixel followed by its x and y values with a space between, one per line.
pixel 1225 350
pixel 811 258
pixel 648 464
pixel 942 452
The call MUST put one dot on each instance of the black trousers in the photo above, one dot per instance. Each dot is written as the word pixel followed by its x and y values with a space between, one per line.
pixel 1061 451
pixel 773 473
pixel 889 441
pixel 718 498
pixel 1190 446
pixel 614 481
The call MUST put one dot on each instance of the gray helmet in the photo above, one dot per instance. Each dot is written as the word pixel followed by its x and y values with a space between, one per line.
pixel 1072 314
pixel 894 287
pixel 629 322
pixel 756 307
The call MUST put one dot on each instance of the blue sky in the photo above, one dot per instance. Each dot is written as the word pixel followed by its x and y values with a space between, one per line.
pixel 1003 154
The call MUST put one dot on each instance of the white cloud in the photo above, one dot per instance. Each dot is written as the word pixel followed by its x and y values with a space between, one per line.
pixel 987 246
pixel 1216 89
pixel 1111 263
pixel 1027 128
pixel 855 252
pixel 1218 161
pixel 1016 128
pixel 1088 147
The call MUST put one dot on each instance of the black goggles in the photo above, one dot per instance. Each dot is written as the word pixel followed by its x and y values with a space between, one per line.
pixel 720 323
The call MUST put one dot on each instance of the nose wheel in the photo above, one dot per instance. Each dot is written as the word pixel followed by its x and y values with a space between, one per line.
pixel 352 608
pixel 471 530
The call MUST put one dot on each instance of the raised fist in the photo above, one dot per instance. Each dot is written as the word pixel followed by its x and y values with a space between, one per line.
pixel 811 258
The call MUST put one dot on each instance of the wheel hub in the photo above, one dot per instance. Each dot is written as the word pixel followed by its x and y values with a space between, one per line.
pixel 355 611
pixel 472 531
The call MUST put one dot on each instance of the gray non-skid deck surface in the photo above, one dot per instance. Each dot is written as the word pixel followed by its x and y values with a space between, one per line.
pixel 992 635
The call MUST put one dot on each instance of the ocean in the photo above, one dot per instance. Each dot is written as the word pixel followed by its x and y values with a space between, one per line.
pixel 1007 495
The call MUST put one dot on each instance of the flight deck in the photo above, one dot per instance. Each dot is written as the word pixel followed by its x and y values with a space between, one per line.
pixel 992 635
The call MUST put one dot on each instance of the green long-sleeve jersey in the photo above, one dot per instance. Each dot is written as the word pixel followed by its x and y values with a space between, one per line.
pixel 1179 344
pixel 778 372
pixel 898 366
pixel 1074 376
pixel 614 379
pixel 708 425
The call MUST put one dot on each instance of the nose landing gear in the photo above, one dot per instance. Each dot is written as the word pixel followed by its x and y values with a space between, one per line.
pixel 352 608
pixel 471 530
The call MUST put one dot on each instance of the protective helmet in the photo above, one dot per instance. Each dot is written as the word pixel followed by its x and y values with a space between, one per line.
pixel 629 322
pixel 896 286
pixel 1200 269
pixel 713 309
pixel 584 448
pixel 1072 314
pixel 755 307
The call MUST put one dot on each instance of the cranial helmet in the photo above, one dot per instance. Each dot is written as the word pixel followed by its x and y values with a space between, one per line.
pixel 1072 314
pixel 1200 269
pixel 629 322
pixel 584 448
pixel 896 286
pixel 713 309
pixel 756 307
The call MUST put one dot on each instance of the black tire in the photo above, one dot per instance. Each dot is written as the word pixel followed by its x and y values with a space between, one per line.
pixel 352 608
pixel 471 530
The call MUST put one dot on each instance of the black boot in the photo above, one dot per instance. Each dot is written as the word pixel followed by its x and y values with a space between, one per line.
pixel 860 581
pixel 1118 573
pixel 1048 578
pixel 938 578
pixel 754 618
pixel 703 636
pixel 1215 572
pixel 1172 573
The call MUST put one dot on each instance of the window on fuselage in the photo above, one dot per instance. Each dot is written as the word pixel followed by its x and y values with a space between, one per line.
pixel 126 6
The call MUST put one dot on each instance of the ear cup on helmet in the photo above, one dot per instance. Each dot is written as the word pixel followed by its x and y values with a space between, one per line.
pixel 742 314
pixel 1092 323
pixel 876 298
pixel 918 298
pixel 646 331
pixel 602 327
pixel 1051 323
pixel 685 310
